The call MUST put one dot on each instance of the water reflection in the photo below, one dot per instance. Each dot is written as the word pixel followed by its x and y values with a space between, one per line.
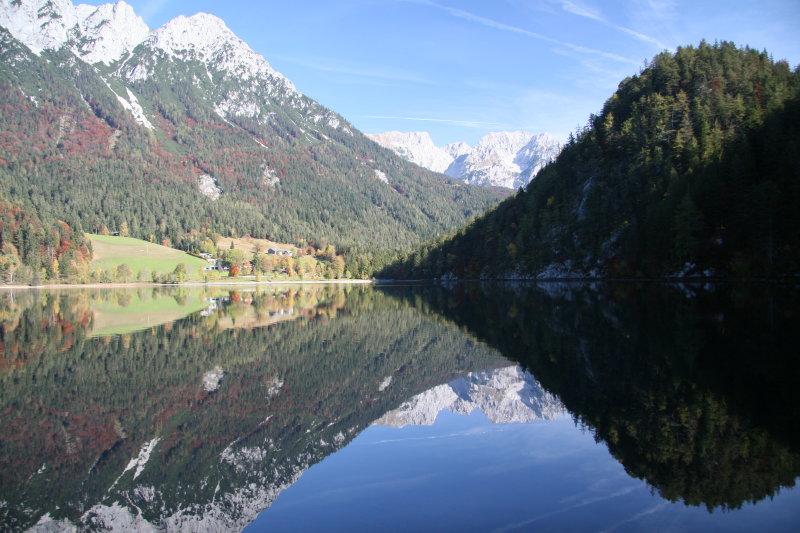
pixel 199 423
pixel 690 387
pixel 504 395
pixel 195 409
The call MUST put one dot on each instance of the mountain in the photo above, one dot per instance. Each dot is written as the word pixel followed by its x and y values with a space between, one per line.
pixel 504 395
pixel 415 146
pixel 689 170
pixel 185 130
pixel 501 159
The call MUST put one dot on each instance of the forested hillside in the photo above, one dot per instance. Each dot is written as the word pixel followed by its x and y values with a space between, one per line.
pixel 692 167
pixel 170 141
pixel 31 249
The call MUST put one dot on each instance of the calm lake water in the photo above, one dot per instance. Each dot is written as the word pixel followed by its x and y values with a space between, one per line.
pixel 496 407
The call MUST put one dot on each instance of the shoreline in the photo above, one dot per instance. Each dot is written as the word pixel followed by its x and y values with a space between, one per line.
pixel 134 285
pixel 245 283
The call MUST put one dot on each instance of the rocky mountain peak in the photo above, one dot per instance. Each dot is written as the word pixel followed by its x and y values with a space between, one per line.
pixel 417 147
pixel 94 33
pixel 504 158
pixel 39 24
pixel 109 31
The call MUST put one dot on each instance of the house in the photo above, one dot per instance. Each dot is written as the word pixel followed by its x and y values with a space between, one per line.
pixel 217 266
pixel 279 251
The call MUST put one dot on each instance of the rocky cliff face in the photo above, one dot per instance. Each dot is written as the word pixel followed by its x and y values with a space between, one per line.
pixel 417 147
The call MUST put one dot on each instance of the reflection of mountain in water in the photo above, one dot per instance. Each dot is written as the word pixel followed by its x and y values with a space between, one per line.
pixel 692 388
pixel 504 395
pixel 200 424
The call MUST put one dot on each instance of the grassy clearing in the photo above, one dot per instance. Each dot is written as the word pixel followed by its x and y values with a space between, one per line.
pixel 139 255
pixel 251 244
pixel 135 310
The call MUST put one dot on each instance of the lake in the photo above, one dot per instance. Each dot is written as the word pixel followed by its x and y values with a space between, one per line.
pixel 475 407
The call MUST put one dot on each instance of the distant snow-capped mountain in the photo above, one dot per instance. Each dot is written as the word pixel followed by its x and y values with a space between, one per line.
pixel 504 395
pixel 417 147
pixel 504 159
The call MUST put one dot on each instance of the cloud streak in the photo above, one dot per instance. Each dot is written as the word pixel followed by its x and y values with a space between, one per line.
pixel 468 123
pixel 501 26
pixel 581 11
pixel 381 73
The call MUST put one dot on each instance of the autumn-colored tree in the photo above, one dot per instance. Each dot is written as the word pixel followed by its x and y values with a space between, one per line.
pixel 9 261
pixel 123 273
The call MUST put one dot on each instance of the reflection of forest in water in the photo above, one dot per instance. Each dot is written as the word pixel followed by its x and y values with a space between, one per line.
pixel 203 420
pixel 692 388
pixel 203 414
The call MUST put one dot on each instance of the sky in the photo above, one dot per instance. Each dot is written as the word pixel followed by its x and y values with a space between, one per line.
pixel 461 68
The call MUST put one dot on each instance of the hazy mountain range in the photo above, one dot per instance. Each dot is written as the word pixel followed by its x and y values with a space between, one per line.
pixel 507 159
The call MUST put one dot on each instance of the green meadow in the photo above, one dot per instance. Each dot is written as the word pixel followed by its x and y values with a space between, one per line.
pixel 134 310
pixel 139 255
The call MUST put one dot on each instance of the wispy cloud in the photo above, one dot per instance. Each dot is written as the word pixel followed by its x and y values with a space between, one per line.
pixel 467 123
pixel 660 17
pixel 586 12
pixel 491 23
pixel 362 71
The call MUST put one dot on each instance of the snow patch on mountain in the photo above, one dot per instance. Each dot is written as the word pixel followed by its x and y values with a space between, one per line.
pixel 139 461
pixel 381 176
pixel 504 395
pixel 385 384
pixel 132 105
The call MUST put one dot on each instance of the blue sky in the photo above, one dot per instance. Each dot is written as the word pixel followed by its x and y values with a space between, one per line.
pixel 461 68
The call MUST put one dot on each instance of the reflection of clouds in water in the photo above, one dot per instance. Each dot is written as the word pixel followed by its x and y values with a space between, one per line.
pixel 455 435
pixel 602 485
pixel 354 492
pixel 581 503
pixel 637 516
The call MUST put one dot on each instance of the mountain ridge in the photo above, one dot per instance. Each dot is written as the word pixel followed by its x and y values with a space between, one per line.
pixel 509 159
